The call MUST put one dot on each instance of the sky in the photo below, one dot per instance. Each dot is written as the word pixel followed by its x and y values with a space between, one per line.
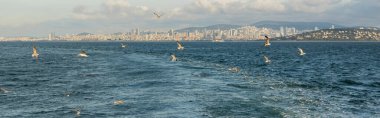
pixel 41 17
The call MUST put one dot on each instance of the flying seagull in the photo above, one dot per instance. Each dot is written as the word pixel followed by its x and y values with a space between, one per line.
pixel 267 61
pixel 157 14
pixel 173 58
pixel 123 45
pixel 118 102
pixel 180 47
pixel 35 54
pixel 267 43
pixel 82 54
pixel 301 52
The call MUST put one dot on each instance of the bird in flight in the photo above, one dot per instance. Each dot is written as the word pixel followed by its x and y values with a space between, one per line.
pixel 301 52
pixel 173 58
pixel 123 45
pixel 35 53
pixel 266 60
pixel 267 43
pixel 179 46
pixel 83 54
pixel 157 14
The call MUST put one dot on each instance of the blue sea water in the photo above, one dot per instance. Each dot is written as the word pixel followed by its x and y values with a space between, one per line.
pixel 333 79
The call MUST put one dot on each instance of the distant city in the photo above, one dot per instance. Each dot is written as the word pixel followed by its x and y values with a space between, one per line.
pixel 277 30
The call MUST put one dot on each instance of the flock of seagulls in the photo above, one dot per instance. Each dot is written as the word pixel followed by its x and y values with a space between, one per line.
pixel 173 59
pixel 35 53
pixel 179 47
pixel 267 44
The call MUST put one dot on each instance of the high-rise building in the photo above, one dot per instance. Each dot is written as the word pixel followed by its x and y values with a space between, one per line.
pixel 51 36
pixel 282 31
pixel 171 32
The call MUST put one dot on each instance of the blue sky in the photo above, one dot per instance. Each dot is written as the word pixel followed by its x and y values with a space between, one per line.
pixel 40 17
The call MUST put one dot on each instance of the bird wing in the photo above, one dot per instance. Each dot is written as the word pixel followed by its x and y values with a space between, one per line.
pixel 34 50
pixel 179 44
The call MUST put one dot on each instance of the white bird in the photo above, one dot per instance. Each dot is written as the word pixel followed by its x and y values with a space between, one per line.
pixel 267 61
pixel 234 69
pixel 67 93
pixel 301 52
pixel 3 90
pixel 77 111
pixel 118 102
pixel 35 54
pixel 82 54
pixel 267 43
pixel 158 15
pixel 173 58
pixel 180 47
pixel 123 45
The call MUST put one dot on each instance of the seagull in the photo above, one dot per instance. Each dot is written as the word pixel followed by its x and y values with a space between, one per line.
pixel 67 93
pixel 301 52
pixel 267 43
pixel 35 54
pixel 158 15
pixel 180 47
pixel 267 61
pixel 82 54
pixel 123 45
pixel 234 69
pixel 118 102
pixel 173 58
pixel 3 90
pixel 77 110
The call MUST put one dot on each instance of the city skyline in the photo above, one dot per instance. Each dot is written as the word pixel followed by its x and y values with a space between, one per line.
pixel 41 17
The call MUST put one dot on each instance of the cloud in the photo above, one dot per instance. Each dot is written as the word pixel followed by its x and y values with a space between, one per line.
pixel 269 5
pixel 83 13
pixel 122 15
pixel 316 6
pixel 111 9
pixel 234 6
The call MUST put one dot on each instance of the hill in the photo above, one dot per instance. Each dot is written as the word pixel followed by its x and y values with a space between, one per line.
pixel 297 25
pixel 355 33
pixel 212 27
pixel 84 34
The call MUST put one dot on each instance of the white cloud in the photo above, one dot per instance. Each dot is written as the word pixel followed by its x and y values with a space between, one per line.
pixel 268 5
pixel 111 9
pixel 316 6
pixel 115 15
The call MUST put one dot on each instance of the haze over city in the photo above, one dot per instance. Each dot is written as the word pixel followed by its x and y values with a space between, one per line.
pixel 40 17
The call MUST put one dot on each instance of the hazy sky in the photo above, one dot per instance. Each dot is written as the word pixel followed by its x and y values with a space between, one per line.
pixel 40 17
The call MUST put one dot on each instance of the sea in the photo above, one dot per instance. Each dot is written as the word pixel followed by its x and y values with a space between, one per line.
pixel 226 79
